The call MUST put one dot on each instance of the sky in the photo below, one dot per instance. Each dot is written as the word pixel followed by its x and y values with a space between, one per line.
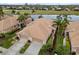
pixel 39 1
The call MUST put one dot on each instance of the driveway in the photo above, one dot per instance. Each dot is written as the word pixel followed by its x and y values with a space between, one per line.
pixel 34 48
pixel 16 47
pixel 3 50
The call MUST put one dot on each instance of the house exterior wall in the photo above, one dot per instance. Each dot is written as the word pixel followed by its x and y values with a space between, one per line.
pixel 73 30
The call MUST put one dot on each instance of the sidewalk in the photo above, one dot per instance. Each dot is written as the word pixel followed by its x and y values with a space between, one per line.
pixel 2 49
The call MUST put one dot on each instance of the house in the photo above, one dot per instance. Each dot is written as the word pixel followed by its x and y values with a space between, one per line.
pixel 67 9
pixel 44 8
pixel 10 23
pixel 76 9
pixel 19 8
pixel 38 30
pixel 53 9
pixel 73 30
pixel 58 9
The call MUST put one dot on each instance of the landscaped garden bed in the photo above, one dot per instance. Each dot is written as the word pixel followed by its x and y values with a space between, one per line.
pixel 60 49
pixel 57 47
pixel 60 35
pixel 24 48
pixel 8 40
pixel 45 50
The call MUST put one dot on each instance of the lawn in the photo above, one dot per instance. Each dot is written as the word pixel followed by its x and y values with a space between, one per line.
pixel 45 49
pixel 59 48
pixel 8 40
pixel 23 49
pixel 21 11
pixel 50 12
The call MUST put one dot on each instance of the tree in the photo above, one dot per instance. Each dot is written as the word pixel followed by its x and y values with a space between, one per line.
pixel 2 35
pixel 26 14
pixel 13 11
pixel 33 11
pixel 62 21
pixel 1 13
pixel 18 13
pixel 21 20
pixel 61 24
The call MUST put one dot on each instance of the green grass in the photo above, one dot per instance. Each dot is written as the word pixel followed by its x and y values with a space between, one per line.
pixel 24 48
pixel 8 40
pixel 45 49
pixel 57 12
pixel 21 11
pixel 45 12
pixel 60 49
pixel 67 48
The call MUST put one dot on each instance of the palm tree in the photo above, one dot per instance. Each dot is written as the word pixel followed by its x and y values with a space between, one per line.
pixel 1 13
pixel 21 20
pixel 61 24
pixel 13 11
pixel 33 10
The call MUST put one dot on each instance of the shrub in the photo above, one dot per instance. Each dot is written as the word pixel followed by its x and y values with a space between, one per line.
pixel 26 14
pixel 0 51
pixel 40 16
pixel 18 13
pixel 2 35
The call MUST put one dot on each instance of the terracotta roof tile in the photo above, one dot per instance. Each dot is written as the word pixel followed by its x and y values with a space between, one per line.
pixel 39 29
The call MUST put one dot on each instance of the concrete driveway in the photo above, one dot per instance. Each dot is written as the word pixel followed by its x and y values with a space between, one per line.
pixel 34 48
pixel 13 50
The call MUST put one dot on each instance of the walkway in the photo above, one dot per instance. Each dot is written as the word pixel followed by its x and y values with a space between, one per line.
pixel 2 49
pixel 13 50
pixel 34 48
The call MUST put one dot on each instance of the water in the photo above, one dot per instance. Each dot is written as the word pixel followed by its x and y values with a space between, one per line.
pixel 72 17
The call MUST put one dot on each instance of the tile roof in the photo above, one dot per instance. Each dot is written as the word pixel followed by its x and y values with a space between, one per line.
pixel 39 29
pixel 8 23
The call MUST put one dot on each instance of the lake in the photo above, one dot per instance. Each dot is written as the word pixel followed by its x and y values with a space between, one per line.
pixel 73 17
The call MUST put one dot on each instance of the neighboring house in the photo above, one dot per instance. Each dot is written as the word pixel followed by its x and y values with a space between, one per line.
pixel 53 9
pixel 28 8
pixel 66 9
pixel 58 9
pixel 44 8
pixel 73 30
pixel 10 23
pixel 76 9
pixel 28 20
pixel 38 30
